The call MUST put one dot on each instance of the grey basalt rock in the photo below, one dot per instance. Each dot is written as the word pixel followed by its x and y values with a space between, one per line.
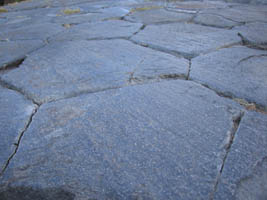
pixel 186 39
pixel 237 71
pixel 254 34
pixel 63 69
pixel 244 175
pixel 138 142
pixel 154 16
pixel 98 30
pixel 15 112
pixel 39 31
pixel 215 21
pixel 92 16
pixel 14 51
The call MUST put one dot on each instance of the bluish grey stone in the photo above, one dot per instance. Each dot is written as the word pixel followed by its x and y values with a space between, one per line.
pixel 98 30
pixel 237 71
pixel 64 69
pixel 238 14
pixel 155 141
pixel 39 31
pixel 215 21
pixel 15 112
pixel 153 16
pixel 245 171
pixel 254 34
pixel 186 39
pixel 92 16
pixel 11 52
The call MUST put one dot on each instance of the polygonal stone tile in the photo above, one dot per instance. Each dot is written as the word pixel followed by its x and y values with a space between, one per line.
pixel 155 141
pixel 15 113
pixel 186 39
pixel 244 175
pixel 152 16
pixel 254 34
pixel 39 31
pixel 99 30
pixel 238 71
pixel 11 52
pixel 65 69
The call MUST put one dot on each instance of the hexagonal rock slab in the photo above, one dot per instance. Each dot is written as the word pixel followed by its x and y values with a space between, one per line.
pixel 65 69
pixel 15 112
pixel 155 141
pixel 99 30
pixel 238 71
pixel 186 39
pixel 11 52
pixel 244 175
pixel 39 31
pixel 215 20
pixel 153 16
pixel 94 15
pixel 254 34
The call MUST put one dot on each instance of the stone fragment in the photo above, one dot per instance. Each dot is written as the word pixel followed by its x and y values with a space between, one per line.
pixel 11 52
pixel 64 69
pixel 244 175
pixel 154 16
pixel 237 71
pixel 98 30
pixel 15 113
pixel 155 141
pixel 186 39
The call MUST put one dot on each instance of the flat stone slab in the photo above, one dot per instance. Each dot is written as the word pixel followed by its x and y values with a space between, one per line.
pixel 254 34
pixel 240 14
pixel 39 31
pixel 92 16
pixel 186 39
pixel 245 171
pixel 139 142
pixel 64 69
pixel 149 15
pixel 215 21
pixel 99 30
pixel 11 52
pixel 15 112
pixel 238 71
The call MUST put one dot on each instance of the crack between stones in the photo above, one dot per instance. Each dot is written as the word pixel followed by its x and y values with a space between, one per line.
pixel 250 44
pixel 253 56
pixel 12 87
pixel 19 140
pixel 13 64
pixel 231 134
pixel 189 70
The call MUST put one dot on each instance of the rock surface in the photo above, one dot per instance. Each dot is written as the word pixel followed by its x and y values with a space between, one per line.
pixel 134 142
pixel 238 72
pixel 133 99
pixel 15 114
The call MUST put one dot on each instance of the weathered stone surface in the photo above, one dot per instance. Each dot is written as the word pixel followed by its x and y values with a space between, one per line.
pixel 11 52
pixel 94 15
pixel 254 34
pixel 99 30
pixel 15 112
pixel 153 16
pixel 215 20
pixel 245 171
pixel 238 71
pixel 65 69
pixel 187 39
pixel 139 142
pixel 240 15
pixel 39 31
